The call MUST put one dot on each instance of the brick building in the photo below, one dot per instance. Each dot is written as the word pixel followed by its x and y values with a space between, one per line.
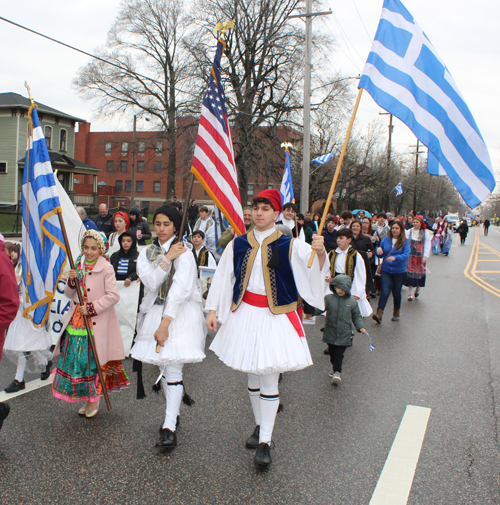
pixel 112 153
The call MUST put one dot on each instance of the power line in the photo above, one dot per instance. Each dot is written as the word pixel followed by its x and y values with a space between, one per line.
pixel 362 22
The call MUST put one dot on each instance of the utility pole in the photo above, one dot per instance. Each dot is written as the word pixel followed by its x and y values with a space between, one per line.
pixel 306 146
pixel 416 153
pixel 389 149
pixel 132 193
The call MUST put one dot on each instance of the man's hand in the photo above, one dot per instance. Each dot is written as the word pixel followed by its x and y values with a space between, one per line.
pixel 318 244
pixel 161 334
pixel 211 321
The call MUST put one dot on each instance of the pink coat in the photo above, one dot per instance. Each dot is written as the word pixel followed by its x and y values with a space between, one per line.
pixel 102 291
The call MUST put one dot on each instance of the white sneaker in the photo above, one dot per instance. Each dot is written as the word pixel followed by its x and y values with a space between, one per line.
pixel 336 378
pixel 330 374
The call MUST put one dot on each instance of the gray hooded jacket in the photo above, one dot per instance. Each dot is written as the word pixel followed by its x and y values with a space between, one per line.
pixel 341 313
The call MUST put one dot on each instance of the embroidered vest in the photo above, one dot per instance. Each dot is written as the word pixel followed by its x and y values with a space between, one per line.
pixel 350 262
pixel 281 291
pixel 202 259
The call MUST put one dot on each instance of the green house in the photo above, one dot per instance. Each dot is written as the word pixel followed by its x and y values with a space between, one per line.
pixel 59 131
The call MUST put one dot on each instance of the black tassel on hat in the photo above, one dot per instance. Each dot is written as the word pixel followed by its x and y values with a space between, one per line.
pixel 274 262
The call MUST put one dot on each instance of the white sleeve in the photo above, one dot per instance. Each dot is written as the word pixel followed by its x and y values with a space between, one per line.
pixel 408 234
pixel 309 281
pixel 210 239
pixel 427 243
pixel 359 282
pixel 220 296
pixel 211 261
pixel 151 276
pixel 302 235
pixel 184 282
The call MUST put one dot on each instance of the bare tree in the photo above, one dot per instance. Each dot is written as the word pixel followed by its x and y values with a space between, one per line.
pixel 152 68
pixel 262 73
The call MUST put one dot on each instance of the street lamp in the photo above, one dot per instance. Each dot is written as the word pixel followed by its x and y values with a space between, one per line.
pixel 132 193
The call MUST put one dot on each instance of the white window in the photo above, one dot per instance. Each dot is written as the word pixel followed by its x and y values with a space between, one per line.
pixel 124 147
pixel 107 148
pixel 159 148
pixel 48 137
pixel 142 147
pixel 62 140
pixel 250 190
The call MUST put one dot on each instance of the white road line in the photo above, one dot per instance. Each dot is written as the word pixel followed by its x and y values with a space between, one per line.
pixel 394 485
pixel 30 386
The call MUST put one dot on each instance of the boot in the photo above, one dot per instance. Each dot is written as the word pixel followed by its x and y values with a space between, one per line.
pixel 378 316
pixel 395 315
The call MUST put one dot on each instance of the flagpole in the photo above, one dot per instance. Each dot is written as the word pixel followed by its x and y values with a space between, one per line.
pixel 85 318
pixel 337 172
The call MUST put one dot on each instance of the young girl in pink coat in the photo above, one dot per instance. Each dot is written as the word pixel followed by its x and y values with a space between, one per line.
pixel 76 378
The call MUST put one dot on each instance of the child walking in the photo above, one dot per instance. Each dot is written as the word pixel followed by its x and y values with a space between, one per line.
pixel 342 312
pixel 76 379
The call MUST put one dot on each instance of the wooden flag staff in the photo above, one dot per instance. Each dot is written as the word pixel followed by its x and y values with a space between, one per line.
pixel 337 172
pixel 85 318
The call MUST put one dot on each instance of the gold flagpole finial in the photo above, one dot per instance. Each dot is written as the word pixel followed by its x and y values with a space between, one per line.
pixel 224 26
pixel 286 145
pixel 29 92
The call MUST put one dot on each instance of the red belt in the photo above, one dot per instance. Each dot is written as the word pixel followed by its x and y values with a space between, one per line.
pixel 261 301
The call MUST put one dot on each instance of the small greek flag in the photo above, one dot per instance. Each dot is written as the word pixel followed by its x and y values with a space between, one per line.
pixel 323 159
pixel 286 189
pixel 371 347
pixel 44 251
pixel 399 189
pixel 406 77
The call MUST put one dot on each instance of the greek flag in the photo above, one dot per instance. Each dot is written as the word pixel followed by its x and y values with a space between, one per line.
pixel 286 189
pixel 399 189
pixel 405 75
pixel 44 252
pixel 323 159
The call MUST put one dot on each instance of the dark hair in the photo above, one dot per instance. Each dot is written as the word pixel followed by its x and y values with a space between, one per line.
pixel 177 205
pixel 290 205
pixel 402 236
pixel 361 232
pixel 347 214
pixel 261 199
pixel 382 214
pixel 200 233
pixel 345 232
pixel 247 207
pixel 370 228
pixel 301 216
pixel 204 208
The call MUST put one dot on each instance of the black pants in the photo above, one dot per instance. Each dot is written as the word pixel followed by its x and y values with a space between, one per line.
pixel 337 356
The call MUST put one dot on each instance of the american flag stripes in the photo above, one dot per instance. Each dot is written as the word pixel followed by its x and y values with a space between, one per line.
pixel 213 160
pixel 44 252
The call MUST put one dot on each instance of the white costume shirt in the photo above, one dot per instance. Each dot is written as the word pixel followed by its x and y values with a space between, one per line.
pixel 413 234
pixel 308 280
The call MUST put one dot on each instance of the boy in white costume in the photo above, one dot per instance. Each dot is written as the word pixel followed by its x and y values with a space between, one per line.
pixel 173 317
pixel 254 295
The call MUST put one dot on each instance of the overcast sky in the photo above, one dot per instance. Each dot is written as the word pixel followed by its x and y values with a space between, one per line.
pixel 464 34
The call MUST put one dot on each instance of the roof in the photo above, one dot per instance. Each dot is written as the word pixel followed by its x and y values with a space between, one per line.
pixel 65 163
pixel 10 100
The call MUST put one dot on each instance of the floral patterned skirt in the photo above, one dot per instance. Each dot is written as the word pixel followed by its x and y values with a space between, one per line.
pixel 76 379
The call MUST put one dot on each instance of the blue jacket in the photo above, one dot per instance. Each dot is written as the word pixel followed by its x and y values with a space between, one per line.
pixel 89 225
pixel 398 266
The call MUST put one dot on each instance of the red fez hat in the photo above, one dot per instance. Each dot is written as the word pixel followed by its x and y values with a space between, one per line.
pixel 274 196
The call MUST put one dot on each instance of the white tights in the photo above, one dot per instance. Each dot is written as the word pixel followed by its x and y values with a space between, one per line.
pixel 265 400
pixel 173 389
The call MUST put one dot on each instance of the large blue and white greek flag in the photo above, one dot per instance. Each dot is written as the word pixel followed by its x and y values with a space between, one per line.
pixel 320 160
pixel 405 75
pixel 44 253
pixel 286 189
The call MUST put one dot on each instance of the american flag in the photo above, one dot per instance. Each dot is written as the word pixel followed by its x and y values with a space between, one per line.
pixel 213 160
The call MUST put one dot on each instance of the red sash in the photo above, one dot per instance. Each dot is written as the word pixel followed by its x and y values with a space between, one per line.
pixel 261 301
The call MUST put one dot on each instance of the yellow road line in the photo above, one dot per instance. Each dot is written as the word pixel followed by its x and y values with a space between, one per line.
pixel 473 260
pixel 487 271
pixel 489 260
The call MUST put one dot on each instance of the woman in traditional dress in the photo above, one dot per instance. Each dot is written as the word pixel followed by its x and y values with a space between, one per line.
pixel 420 249
pixel 171 314
pixel 121 222
pixel 447 238
pixel 76 379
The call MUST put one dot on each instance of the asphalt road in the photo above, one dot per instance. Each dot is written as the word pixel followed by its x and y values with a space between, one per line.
pixel 331 442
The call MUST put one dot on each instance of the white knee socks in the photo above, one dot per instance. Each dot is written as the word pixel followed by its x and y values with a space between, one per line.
pixel 269 401
pixel 21 367
pixel 173 389
pixel 410 290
